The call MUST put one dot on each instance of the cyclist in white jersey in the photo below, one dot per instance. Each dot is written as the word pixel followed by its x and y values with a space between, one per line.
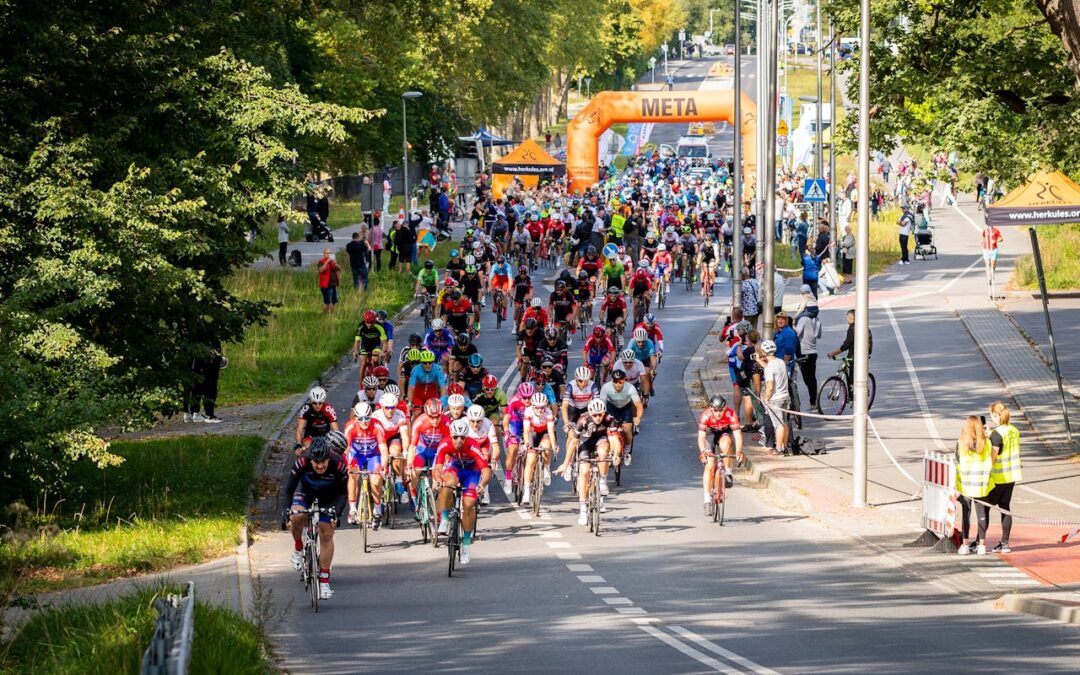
pixel 576 396
pixel 483 432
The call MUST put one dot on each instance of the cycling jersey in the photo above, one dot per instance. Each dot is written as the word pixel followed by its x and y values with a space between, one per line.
pixel 633 373
pixel 689 243
pixel 521 237
pixel 484 437
pixel 491 404
pixel 556 353
pixel 317 422
pixel 427 434
pixel 522 285
pixel 305 485
pixel 461 353
pixel 466 463
pixel 619 399
pixel 613 272
pixel 473 380
pixel 661 262
pixel 535 230
pixel 426 384
pixel 503 270
pixel 458 313
pixel 562 304
pixel 538 418
pixel 723 421
pixel 538 313
pixel 578 397
pixel 455 268
pixel 597 349
pixel 528 343
pixel 370 336
pixel 643 351
pixel 439 342
pixel 613 308
pixel 471 285
pixel 590 265
pixel 640 283
pixel 429 279
pixel 364 445
pixel 515 410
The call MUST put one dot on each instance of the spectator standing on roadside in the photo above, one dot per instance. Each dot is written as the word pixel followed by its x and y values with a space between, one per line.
pixel 787 342
pixel 886 169
pixel 1005 451
pixel 778 292
pixel 558 141
pixel 375 239
pixel 404 243
pixel 322 205
pixel 811 267
pixel 974 464
pixel 386 186
pixel 329 279
pixel 775 378
pixel 203 388
pixel 751 301
pixel 823 241
pixel 847 256
pixel 905 225
pixel 802 232
pixel 991 239
pixel 282 241
pixel 358 260
pixel 808 328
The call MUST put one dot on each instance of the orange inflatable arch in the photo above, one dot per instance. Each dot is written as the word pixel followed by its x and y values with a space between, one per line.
pixel 612 107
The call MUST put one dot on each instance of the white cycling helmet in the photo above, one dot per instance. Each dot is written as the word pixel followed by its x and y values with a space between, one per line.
pixel 437 324
pixel 583 373
pixel 537 302
pixel 317 395
pixel 393 389
pixel 597 406
pixel 370 382
pixel 469 259
pixel 628 355
pixel 768 347
pixel 362 409
pixel 475 413
pixel 661 247
pixel 459 427
pixel 641 334
pixel 388 400
pixel 539 399
pixel 456 401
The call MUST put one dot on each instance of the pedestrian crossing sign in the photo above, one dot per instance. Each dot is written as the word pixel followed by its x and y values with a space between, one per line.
pixel 814 191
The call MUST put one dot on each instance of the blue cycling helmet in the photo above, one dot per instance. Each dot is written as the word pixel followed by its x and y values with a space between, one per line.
pixel 476 360
pixel 454 253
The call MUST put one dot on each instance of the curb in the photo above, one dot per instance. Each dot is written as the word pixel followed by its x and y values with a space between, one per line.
pixel 1066 611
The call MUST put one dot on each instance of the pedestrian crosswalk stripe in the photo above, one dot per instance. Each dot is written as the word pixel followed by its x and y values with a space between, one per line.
pixel 897 277
pixel 934 276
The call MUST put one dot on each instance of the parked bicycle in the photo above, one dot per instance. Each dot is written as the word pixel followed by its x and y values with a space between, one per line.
pixel 838 390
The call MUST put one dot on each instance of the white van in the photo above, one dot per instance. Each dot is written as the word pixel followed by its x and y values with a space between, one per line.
pixel 693 148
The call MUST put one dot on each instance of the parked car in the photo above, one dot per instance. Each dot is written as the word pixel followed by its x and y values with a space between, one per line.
pixel 729 50
pixel 713 50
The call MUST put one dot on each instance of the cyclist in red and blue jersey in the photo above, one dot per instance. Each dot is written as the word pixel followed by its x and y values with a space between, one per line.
pixel 513 423
pixel 367 452
pixel 723 424
pixel 439 340
pixel 459 462
pixel 426 382
pixel 428 431
pixel 598 351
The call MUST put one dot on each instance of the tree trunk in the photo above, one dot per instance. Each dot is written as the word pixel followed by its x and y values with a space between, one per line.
pixel 1064 19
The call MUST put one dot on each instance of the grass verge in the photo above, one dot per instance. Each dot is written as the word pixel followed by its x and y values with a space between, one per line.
pixel 299 342
pixel 1060 247
pixel 111 637
pixel 172 501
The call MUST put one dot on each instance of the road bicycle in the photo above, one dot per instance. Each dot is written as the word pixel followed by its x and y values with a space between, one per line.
pixel 389 499
pixel 641 307
pixel 794 404
pixel 366 507
pixel 687 267
pixel 838 390
pixel 594 501
pixel 537 481
pixel 500 307
pixel 585 318
pixel 425 308
pixel 661 291
pixel 718 486
pixel 309 570
pixel 453 532
pixel 425 507
pixel 628 452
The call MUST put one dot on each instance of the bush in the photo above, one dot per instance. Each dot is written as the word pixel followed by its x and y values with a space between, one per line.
pixel 1060 248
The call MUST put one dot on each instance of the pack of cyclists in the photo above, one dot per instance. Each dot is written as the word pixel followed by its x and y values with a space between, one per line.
pixel 446 413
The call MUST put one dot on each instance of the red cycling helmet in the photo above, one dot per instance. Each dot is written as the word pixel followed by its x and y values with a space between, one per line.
pixel 433 407
pixel 381 371
pixel 455 388
pixel 369 316
pixel 598 332
pixel 490 382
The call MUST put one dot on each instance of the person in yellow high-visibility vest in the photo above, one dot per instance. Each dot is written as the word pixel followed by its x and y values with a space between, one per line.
pixel 974 463
pixel 1005 444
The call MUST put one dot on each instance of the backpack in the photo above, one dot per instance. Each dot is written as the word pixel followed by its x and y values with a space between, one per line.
pixel 295 259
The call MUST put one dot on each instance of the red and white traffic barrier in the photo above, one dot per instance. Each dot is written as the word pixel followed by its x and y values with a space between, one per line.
pixel 939 494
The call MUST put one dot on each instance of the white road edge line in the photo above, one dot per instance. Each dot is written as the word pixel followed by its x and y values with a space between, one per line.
pixel 967 218
pixel 726 653
pixel 923 407
pixel 689 651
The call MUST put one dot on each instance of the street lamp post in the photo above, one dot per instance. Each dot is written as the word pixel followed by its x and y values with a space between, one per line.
pixel 832 133
pixel 664 49
pixel 818 166
pixel 768 232
pixel 862 266
pixel 407 96
pixel 736 253
pixel 652 70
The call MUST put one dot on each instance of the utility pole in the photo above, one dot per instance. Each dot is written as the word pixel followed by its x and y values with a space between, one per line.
pixel 862 266
pixel 837 230
pixel 819 169
pixel 769 232
pixel 736 227
pixel 763 24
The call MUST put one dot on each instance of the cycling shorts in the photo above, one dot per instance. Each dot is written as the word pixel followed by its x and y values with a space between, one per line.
pixel 733 373
pixel 424 391
pixel 574 414
pixel 424 456
pixel 595 359
pixel 468 479
pixel 624 414
pixel 500 281
pixel 537 438
pixel 358 461
pixel 587 450
pixel 303 501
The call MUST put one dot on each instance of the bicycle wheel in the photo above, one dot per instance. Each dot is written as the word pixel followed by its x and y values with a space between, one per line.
pixel 453 541
pixel 365 518
pixel 618 474
pixel 314 571
pixel 498 314
pixel 833 396
pixel 721 494
pixel 594 506
pixel 537 485
pixel 871 390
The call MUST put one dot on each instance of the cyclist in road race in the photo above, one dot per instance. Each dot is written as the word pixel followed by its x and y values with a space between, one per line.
pixel 662 264
pixel 382 375
pixel 707 258
pixel 590 263
pixel 583 294
pixel 483 432
pixel 429 429
pixel 651 246
pixel 528 342
pixel 634 370
pixel 576 396
pixel 426 382
pixel 653 332
pixel 367 451
pixel 457 311
pixel 472 376
pixel 552 348
pixel 536 311
pixel 597 439
pixel 723 424
pixel 371 340
pixel 614 271
pixel 563 308
pixel 645 351
pixel 459 462
pixel 556 378
pixel 409 359
pixel 460 353
pixel 316 418
pixel 439 340
pixel 427 280
pixel 369 391
pixel 613 313
pixel 521 241
pixel 555 233
pixel 522 288
pixel 598 352
pixel 455 266
pixel 472 287
pixel 513 427
pixel 491 399
pixel 501 272
pixel 395 426
pixel 320 475
pixel 624 404
pixel 538 425
pixel 641 285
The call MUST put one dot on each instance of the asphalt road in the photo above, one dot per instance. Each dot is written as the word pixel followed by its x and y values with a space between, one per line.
pixel 661 590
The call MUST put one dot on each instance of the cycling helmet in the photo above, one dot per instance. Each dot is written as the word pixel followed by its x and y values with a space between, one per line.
pixel 475 361
pixel 614 290
pixel 454 253
pixel 768 347
pixel 661 247
pixel 537 302
pixel 743 327
pixel 336 440
pixel 643 264
pixel 470 269
pixel 437 324
pixel 459 428
pixel 598 332
pixel 475 413
pixel 591 250
pixel 413 354
pixel 641 334
pixel 551 333
pixel 433 407
pixel 622 249
pixel 455 295
pixel 526 389
pixel 455 388
pixel 362 410
pixel 392 389
pixel 455 401
pixel 530 323
pixel 381 314
pixel 415 339
pixel 470 260
pixel 538 399
pixel 628 355
pixel 523 269
pixel 318 450
pixel 582 275
pixel 450 282
pixel 388 400
pixel 583 373
pixel 597 406
pixel 429 265
pixel 717 402
pixel 490 382
pixel 618 375
pixel 317 395
pixel 381 371
pixel 650 318
pixel 463 338
pixel 560 285
pixel 370 382
pixel 427 356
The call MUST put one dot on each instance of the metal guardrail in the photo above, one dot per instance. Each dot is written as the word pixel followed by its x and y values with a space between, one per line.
pixel 169 652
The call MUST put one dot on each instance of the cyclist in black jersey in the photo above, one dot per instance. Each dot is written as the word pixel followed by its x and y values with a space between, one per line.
pixel 317 418
pixel 320 475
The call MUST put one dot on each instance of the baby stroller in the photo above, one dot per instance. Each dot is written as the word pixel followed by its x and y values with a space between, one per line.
pixel 317 230
pixel 924 242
